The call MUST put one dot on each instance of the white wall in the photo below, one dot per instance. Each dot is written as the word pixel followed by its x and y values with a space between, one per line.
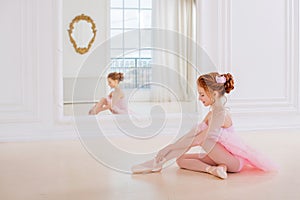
pixel 98 11
pixel 257 41
pixel 29 61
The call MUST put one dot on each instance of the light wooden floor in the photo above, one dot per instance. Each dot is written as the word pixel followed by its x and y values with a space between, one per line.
pixel 58 170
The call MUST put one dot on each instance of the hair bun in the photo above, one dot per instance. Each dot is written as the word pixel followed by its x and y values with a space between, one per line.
pixel 121 76
pixel 116 76
pixel 229 84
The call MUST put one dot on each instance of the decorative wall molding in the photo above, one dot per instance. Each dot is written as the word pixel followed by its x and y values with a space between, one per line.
pixel 224 35
pixel 58 106
pixel 289 102
pixel 27 108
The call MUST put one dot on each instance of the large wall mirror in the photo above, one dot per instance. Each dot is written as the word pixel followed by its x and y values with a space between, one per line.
pixel 123 41
pixel 84 28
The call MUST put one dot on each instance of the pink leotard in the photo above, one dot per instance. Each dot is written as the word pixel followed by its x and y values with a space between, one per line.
pixel 120 107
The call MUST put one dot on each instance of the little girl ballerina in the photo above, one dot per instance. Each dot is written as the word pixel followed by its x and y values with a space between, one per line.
pixel 224 150
pixel 115 101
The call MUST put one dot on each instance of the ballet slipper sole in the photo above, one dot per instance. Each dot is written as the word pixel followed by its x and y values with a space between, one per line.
pixel 140 169
pixel 143 170
pixel 221 173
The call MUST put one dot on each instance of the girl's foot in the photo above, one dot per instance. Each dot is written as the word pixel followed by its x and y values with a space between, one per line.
pixel 92 112
pixel 147 167
pixel 219 171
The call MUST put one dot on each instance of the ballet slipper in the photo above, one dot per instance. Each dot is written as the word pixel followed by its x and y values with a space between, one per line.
pixel 92 111
pixel 219 171
pixel 144 169
pixel 141 169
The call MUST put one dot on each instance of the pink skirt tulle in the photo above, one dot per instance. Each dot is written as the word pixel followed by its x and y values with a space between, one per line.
pixel 120 106
pixel 235 145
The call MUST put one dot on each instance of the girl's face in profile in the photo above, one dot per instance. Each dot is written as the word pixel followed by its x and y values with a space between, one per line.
pixel 112 83
pixel 204 97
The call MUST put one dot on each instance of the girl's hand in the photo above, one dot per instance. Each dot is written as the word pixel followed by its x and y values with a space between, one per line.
pixel 162 153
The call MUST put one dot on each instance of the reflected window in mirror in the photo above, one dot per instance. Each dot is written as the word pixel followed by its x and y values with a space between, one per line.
pixel 130 46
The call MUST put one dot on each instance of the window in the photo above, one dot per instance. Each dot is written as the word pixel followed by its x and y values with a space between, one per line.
pixel 130 46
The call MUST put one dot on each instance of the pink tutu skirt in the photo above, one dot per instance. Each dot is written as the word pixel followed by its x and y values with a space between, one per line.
pixel 235 145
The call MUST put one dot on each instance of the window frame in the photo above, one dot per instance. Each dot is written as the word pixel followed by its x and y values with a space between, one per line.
pixel 123 49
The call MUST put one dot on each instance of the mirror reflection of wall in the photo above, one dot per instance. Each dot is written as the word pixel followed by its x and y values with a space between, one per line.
pixel 128 28
pixel 72 61
pixel 112 18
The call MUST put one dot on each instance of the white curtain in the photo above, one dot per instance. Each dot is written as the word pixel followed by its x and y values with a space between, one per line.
pixel 174 24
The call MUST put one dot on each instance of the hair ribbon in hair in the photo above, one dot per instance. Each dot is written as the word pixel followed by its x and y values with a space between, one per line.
pixel 221 79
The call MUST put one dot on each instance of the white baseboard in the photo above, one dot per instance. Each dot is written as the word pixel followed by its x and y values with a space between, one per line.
pixel 267 122
pixel 67 130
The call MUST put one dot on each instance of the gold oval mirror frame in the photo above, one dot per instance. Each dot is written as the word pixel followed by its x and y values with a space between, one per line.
pixel 82 50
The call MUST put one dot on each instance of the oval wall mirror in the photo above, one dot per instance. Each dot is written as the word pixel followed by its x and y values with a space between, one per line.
pixel 82 33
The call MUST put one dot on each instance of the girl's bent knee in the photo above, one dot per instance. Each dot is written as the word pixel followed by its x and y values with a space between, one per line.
pixel 238 167
pixel 179 162
pixel 233 170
